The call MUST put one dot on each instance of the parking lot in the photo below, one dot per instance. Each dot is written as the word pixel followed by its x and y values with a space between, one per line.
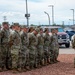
pixel 64 50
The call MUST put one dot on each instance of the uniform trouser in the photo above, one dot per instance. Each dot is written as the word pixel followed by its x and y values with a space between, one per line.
pixel 27 57
pixel 0 57
pixel 8 60
pixel 46 53
pixel 52 54
pixel 15 58
pixel 56 53
pixel 40 53
pixel 6 56
pixel 24 57
pixel 32 55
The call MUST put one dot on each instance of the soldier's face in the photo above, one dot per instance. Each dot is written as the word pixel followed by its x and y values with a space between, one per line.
pixel 41 31
pixel 47 31
pixel 53 31
pixel 25 29
pixel 5 26
pixel 56 31
pixel 17 28
pixel 35 32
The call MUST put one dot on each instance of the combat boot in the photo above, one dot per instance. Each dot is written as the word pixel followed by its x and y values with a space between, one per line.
pixel 4 69
pixel 39 65
pixel 31 67
pixel 1 70
pixel 45 62
pixel 48 60
pixel 14 71
pixel 51 61
pixel 42 62
pixel 19 69
pixel 24 70
pixel 35 65
pixel 27 68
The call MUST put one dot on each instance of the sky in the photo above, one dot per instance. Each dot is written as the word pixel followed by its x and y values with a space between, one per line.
pixel 15 11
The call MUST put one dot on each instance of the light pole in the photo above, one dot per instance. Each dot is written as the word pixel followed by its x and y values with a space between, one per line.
pixel 5 18
pixel 52 13
pixel 73 15
pixel 48 16
pixel 27 15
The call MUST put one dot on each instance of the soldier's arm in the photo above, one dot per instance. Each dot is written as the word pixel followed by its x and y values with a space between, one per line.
pixel 11 39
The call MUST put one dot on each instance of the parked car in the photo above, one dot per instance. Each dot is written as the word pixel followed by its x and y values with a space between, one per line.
pixel 63 37
pixel 70 33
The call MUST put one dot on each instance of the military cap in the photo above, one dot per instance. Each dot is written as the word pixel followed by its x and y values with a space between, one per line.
pixel 16 24
pixel 5 23
pixel 24 26
pixel 37 29
pixel 11 26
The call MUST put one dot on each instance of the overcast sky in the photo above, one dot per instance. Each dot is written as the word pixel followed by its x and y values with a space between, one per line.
pixel 16 9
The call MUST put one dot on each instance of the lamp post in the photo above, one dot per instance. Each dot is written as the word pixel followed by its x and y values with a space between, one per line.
pixel 52 13
pixel 48 16
pixel 27 15
pixel 73 15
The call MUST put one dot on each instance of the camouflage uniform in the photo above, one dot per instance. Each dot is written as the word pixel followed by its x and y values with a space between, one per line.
pixel 46 47
pixel 54 47
pixel 6 56
pixel 15 47
pixel 40 48
pixel 57 48
pixel 33 50
pixel 73 46
pixel 0 52
pixel 24 50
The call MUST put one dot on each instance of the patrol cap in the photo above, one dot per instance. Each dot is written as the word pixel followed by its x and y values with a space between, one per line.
pixel 16 24
pixel 41 29
pixel 24 26
pixel 5 23
pixel 11 26
pixel 37 29
pixel 45 29
pixel 31 28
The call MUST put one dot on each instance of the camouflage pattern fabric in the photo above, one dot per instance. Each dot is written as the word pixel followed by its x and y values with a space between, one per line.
pixel 15 42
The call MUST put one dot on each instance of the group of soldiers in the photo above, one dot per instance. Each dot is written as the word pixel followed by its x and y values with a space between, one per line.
pixel 25 48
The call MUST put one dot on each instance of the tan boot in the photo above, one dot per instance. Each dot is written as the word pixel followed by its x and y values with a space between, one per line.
pixel 27 68
pixel 14 71
pixel 4 69
pixel 19 70
pixel 42 62
pixel 48 60
pixel 24 70
pixel 1 70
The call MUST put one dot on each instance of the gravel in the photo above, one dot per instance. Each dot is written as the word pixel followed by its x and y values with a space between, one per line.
pixel 64 67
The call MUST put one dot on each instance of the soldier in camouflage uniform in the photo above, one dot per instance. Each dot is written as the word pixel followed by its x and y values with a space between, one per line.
pixel 40 47
pixel 73 45
pixel 33 41
pixel 24 50
pixel 57 45
pixel 53 46
pixel 0 52
pixel 5 46
pixel 15 44
pixel 46 46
